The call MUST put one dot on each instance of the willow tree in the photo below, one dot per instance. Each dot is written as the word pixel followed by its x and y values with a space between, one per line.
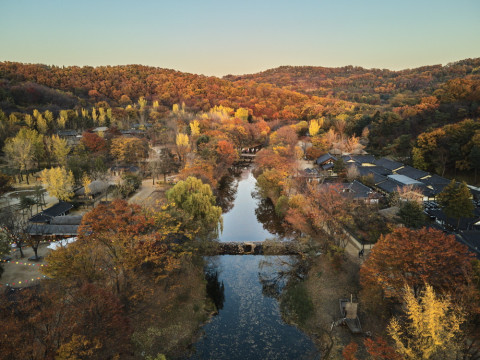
pixel 196 203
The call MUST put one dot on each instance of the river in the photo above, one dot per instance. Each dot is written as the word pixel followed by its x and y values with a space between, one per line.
pixel 249 324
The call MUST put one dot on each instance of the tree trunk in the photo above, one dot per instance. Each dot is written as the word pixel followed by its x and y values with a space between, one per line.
pixel 164 177
pixel 19 245
pixel 43 201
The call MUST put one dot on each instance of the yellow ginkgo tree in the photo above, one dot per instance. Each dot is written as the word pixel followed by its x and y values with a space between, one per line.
pixel 431 329
pixel 183 143
pixel 195 128
pixel 58 182
pixel 315 126
pixel 86 181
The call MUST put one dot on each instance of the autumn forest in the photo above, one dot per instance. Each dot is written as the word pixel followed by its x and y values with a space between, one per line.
pixel 366 181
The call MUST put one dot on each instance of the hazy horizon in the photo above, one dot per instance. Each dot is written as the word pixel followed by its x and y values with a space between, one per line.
pixel 221 76
pixel 225 37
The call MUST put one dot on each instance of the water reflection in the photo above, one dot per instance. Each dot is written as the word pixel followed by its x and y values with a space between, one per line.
pixel 266 215
pixel 215 289
pixel 227 189
pixel 240 223
pixel 246 288
pixel 250 325
pixel 277 271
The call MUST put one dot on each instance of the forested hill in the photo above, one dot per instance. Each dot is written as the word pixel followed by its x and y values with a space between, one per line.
pixel 373 86
pixel 28 85
pixel 394 106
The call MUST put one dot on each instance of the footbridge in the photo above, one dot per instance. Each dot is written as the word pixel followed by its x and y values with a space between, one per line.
pixel 257 248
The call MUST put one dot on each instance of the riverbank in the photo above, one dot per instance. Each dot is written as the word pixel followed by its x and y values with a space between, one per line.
pixel 171 316
pixel 326 283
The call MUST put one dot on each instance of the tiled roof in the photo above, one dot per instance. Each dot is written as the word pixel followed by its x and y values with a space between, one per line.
pixel 367 170
pixel 388 164
pixel 96 186
pixel 436 183
pixel 388 186
pixel 404 180
pixel 48 229
pixel 464 223
pixel 67 220
pixel 412 172
pixel 53 211
pixel 100 129
pixel 348 158
pixel 126 168
pixel 364 159
pixel 472 240
pixel 325 157
pixel 435 179
pixel 356 190
pixel 67 133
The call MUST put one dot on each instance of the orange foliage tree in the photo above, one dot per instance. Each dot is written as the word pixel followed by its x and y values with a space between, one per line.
pixel 116 241
pixel 93 142
pixel 129 150
pixel 379 349
pixel 321 212
pixel 414 257
pixel 349 352
pixel 201 169
pixel 51 323
pixel 226 153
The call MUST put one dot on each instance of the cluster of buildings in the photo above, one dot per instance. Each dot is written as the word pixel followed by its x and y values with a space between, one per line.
pixel 385 175
pixel 381 177
pixel 54 222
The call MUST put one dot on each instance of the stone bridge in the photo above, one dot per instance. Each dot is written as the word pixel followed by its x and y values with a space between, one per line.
pixel 256 248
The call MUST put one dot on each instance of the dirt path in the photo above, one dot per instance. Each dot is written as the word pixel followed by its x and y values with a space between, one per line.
pixel 144 192
pixel 22 272
pixel 150 195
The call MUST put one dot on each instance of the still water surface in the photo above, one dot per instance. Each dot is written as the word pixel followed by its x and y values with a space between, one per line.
pixel 249 325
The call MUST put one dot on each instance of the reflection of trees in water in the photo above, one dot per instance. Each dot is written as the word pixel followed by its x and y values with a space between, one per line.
pixel 226 191
pixel 215 289
pixel 285 284
pixel 278 272
pixel 266 215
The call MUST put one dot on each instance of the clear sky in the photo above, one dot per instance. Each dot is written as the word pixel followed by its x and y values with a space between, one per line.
pixel 219 37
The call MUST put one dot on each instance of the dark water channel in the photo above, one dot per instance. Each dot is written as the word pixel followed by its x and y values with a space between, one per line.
pixel 249 324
